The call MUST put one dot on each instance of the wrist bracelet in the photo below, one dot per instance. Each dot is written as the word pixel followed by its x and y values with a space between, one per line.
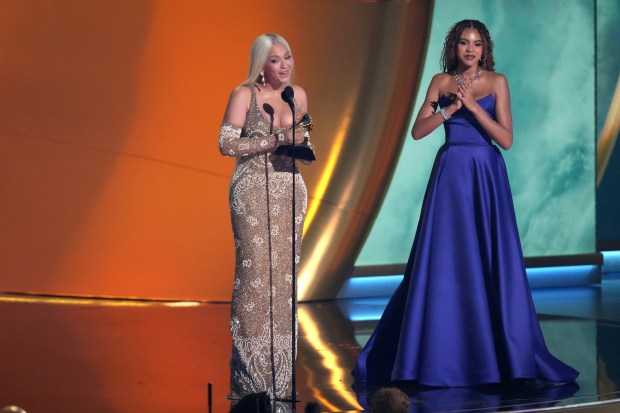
pixel 279 137
pixel 444 115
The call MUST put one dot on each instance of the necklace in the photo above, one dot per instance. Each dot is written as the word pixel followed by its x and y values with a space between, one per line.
pixel 460 80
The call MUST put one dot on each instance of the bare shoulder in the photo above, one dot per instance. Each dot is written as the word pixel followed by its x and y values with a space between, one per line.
pixel 442 83
pixel 441 79
pixel 442 76
pixel 300 93
pixel 238 105
pixel 300 97
pixel 498 80
pixel 240 94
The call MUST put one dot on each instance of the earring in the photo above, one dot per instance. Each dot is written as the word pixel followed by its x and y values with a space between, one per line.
pixel 262 77
pixel 482 63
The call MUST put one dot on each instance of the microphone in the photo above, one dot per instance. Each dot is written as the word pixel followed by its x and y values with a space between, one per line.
pixel 269 110
pixel 287 96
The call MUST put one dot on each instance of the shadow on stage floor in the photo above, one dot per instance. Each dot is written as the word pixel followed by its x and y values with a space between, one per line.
pixel 81 355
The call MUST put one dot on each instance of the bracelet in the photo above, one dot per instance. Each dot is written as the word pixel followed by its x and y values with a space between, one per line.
pixel 444 115
pixel 279 138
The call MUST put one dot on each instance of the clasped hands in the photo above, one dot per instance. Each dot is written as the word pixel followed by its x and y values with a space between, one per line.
pixel 464 96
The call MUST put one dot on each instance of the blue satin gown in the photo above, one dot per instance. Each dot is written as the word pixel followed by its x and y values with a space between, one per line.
pixel 463 314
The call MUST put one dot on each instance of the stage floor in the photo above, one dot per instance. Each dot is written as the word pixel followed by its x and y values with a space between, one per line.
pixel 80 355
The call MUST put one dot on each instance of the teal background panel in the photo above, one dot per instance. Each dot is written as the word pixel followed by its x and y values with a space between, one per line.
pixel 546 50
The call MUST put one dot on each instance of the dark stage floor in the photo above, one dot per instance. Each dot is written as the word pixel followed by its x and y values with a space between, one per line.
pixel 71 355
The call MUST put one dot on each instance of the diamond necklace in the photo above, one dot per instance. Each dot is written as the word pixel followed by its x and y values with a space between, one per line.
pixel 474 77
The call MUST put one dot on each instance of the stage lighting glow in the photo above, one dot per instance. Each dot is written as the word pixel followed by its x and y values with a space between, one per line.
pixel 94 301
pixel 364 309
pixel 611 261
pixel 375 286
pixel 564 276
pixel 326 176
pixel 365 290
pixel 329 360
pixel 609 134
pixel 307 276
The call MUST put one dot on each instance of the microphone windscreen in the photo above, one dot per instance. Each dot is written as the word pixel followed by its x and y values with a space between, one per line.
pixel 287 94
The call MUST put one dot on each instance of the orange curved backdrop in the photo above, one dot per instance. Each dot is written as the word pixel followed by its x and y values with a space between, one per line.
pixel 111 180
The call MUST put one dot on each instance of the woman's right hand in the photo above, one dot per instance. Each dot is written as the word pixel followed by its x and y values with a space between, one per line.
pixel 456 105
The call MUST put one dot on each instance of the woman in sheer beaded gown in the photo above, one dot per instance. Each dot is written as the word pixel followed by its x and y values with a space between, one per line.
pixel 463 314
pixel 258 121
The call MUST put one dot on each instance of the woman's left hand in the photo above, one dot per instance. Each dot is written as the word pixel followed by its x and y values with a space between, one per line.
pixel 288 135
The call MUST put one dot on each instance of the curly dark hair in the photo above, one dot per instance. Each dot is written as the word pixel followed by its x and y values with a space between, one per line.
pixel 389 400
pixel 449 61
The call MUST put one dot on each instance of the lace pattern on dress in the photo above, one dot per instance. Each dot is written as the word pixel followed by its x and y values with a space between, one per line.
pixel 260 196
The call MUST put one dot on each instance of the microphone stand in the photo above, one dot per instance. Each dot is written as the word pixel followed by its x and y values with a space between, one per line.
pixel 287 96
pixel 294 277
pixel 269 110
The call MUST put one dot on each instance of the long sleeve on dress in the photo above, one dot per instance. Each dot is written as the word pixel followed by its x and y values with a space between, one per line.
pixel 231 142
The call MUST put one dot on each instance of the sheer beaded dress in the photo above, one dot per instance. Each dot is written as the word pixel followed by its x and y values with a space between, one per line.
pixel 261 214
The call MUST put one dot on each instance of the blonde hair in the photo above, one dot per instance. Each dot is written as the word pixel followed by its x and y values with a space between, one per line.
pixel 260 53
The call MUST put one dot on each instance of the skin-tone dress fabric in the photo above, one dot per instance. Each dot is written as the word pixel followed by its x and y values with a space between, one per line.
pixel 261 203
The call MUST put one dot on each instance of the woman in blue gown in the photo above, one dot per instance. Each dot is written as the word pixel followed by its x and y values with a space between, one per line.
pixel 463 314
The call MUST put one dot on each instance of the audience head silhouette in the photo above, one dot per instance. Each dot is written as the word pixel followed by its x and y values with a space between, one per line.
pixel 389 400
